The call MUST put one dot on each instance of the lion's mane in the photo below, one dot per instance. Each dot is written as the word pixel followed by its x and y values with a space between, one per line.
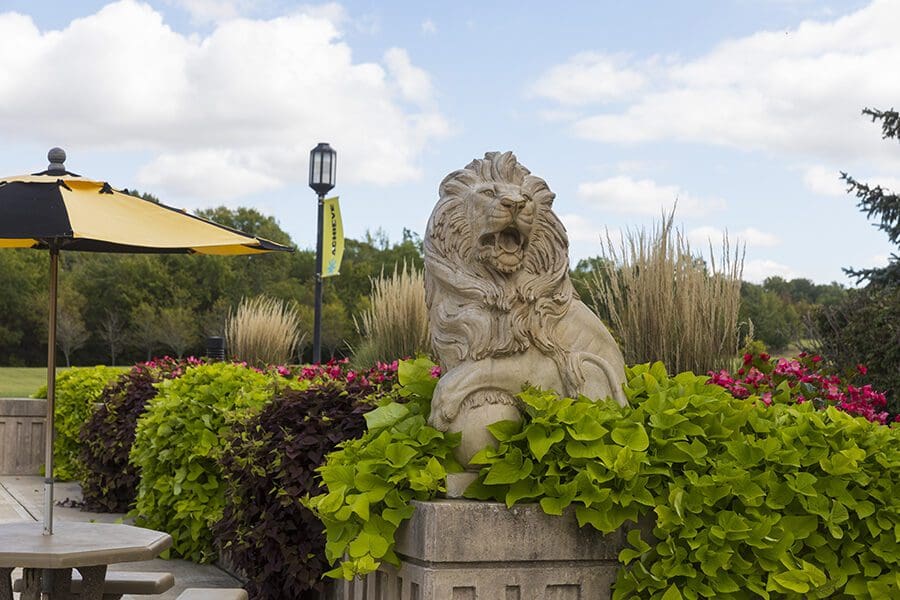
pixel 476 312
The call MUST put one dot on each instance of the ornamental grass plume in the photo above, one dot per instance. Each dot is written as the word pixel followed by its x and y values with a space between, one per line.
pixel 396 323
pixel 664 303
pixel 263 331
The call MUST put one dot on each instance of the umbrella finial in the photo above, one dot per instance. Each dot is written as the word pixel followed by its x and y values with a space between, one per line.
pixel 57 158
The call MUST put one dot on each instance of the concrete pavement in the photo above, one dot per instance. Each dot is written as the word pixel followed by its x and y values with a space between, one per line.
pixel 21 499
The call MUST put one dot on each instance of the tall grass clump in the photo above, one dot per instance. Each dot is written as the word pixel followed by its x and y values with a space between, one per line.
pixel 664 303
pixel 263 331
pixel 396 323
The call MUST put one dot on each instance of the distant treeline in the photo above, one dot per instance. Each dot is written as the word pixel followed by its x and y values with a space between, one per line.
pixel 117 309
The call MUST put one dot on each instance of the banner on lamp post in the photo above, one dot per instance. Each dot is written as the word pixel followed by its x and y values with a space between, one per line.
pixel 333 250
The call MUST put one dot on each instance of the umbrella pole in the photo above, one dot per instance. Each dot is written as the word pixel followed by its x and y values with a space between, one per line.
pixel 51 394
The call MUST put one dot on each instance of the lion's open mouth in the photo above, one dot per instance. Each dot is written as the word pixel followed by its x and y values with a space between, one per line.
pixel 507 248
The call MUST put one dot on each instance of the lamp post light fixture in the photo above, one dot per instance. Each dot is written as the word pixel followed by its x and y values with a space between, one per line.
pixel 322 170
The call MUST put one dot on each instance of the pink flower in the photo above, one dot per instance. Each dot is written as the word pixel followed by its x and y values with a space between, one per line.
pixel 862 369
pixel 435 371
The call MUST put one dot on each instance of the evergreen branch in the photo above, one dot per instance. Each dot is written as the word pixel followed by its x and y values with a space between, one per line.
pixel 890 121
pixel 877 201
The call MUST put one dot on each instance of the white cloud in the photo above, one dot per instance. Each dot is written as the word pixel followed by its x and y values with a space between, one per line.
pixel 582 230
pixel 208 11
pixel 887 182
pixel 756 271
pixel 414 83
pixel 331 11
pixel 589 77
pixel 788 92
pixel 428 27
pixel 212 174
pixel 702 237
pixel 623 194
pixel 824 181
pixel 827 182
pixel 247 100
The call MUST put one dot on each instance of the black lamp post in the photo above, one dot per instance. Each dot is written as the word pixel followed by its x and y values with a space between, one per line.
pixel 322 169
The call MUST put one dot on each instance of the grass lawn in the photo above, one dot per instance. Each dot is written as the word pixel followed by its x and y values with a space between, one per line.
pixel 21 382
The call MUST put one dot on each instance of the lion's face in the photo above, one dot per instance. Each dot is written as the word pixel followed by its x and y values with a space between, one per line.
pixel 502 218
pixel 496 262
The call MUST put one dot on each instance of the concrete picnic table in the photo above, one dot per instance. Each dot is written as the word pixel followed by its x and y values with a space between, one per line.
pixel 87 547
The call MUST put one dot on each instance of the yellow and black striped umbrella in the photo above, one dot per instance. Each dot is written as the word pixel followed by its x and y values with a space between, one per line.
pixel 73 213
pixel 57 210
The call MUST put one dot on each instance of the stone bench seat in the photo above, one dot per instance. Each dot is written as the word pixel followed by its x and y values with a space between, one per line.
pixel 119 583
pixel 213 594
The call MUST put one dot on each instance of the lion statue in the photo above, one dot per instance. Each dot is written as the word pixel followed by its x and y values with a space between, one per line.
pixel 502 309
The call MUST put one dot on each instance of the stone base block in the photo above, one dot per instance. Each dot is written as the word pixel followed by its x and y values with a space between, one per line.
pixel 464 550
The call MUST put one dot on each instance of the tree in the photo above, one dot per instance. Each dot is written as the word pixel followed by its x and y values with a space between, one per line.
pixel 177 329
pixel 775 321
pixel 878 202
pixel 144 329
pixel 864 328
pixel 71 334
pixel 23 306
pixel 112 332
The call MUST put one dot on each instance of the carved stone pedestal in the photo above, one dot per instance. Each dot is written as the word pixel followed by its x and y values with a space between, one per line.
pixel 464 550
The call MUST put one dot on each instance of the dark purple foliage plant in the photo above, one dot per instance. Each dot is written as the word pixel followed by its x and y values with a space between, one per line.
pixel 270 464
pixel 109 482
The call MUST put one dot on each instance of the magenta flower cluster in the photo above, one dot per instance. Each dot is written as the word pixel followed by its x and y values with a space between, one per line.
pixel 382 375
pixel 801 379
pixel 167 367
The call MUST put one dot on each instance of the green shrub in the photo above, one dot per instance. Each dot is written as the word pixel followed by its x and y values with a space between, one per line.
pixel 370 482
pixel 664 303
pixel 750 501
pixel 396 323
pixel 77 390
pixel 269 463
pixel 865 329
pixel 178 443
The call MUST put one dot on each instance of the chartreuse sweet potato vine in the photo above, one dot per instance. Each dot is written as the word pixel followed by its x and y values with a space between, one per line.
pixel 749 501
pixel 177 446
pixel 371 481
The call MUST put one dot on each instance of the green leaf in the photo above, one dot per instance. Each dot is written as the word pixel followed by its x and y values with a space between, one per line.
pixel 415 376
pixel 504 430
pixel 672 593
pixel 586 429
pixel 509 470
pixel 593 449
pixel 399 454
pixel 632 436
pixel 638 547
pixel 524 489
pixel 795 581
pixel 385 416
pixel 368 544
pixel 540 440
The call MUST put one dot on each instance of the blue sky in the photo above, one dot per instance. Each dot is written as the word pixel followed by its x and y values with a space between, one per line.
pixel 745 111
